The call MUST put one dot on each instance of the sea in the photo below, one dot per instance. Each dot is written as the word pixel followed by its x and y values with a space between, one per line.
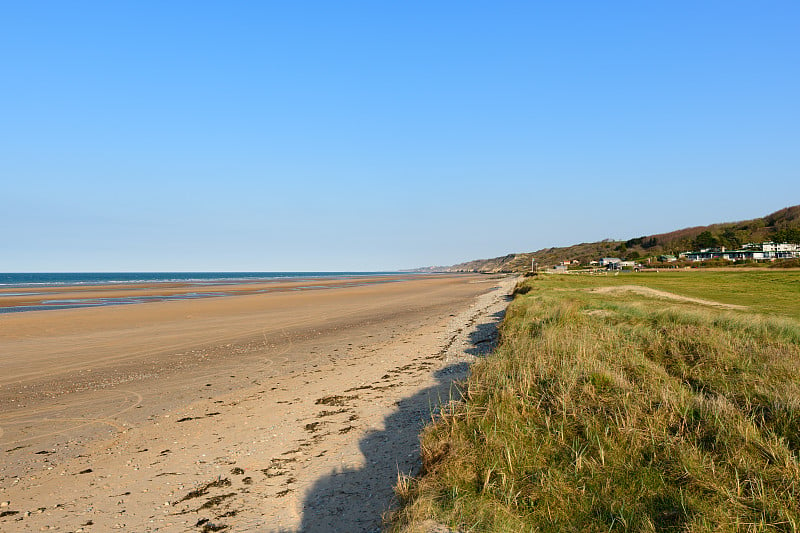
pixel 26 284
pixel 38 279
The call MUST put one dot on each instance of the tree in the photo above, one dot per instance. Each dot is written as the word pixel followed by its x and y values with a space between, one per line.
pixel 729 239
pixel 787 235
pixel 650 243
pixel 705 240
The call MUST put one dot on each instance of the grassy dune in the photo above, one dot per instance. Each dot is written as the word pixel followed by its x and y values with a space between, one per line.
pixel 614 411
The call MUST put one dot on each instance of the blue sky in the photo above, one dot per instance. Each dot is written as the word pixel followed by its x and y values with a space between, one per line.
pixel 373 135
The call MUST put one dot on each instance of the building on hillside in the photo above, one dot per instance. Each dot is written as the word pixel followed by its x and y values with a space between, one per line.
pixel 768 251
pixel 779 250
pixel 606 261
pixel 667 258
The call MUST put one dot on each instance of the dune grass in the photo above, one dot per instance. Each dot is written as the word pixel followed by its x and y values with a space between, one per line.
pixel 618 412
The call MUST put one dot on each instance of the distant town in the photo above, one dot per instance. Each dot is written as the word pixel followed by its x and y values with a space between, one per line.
pixel 750 252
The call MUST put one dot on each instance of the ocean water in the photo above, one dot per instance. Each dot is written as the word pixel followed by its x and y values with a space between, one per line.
pixel 40 279
pixel 27 284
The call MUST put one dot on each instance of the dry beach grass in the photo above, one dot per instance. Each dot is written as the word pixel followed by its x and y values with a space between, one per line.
pixel 619 410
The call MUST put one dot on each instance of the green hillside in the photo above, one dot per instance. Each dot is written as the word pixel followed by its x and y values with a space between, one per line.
pixel 780 226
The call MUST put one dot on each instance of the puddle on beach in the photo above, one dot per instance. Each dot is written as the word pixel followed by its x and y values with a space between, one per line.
pixel 76 303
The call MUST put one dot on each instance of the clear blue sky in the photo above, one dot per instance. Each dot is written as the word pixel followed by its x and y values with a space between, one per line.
pixel 377 135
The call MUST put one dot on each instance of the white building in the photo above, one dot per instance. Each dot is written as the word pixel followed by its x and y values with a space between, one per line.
pixel 755 251
pixel 605 261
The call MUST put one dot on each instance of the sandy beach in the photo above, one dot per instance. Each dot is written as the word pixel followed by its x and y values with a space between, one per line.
pixel 269 409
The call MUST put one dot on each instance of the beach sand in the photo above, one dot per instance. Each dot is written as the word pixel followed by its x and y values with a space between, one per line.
pixel 287 410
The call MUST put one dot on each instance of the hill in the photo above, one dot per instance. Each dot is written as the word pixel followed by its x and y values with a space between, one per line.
pixel 780 226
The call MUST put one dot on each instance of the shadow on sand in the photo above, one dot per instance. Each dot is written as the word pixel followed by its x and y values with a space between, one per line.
pixel 353 500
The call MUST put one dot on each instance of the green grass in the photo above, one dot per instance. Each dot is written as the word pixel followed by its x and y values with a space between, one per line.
pixel 773 292
pixel 618 412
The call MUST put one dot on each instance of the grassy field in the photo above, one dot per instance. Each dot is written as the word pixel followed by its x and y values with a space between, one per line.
pixel 772 292
pixel 617 411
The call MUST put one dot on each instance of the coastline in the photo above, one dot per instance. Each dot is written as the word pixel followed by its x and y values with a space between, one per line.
pixel 41 297
pixel 207 388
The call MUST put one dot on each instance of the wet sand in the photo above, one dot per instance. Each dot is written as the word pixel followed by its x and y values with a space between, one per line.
pixel 249 411
pixel 129 293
